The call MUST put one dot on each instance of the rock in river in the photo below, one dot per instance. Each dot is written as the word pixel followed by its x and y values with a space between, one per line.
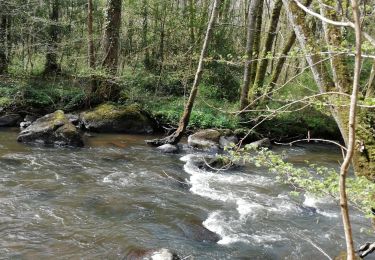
pixel 157 254
pixel 115 118
pixel 52 129
pixel 205 139
pixel 9 120
pixel 168 148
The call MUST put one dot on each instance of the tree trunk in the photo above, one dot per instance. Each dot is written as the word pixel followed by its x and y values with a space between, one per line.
pixel 254 5
pixel 52 66
pixel 351 134
pixel 3 39
pixel 146 59
pixel 279 65
pixel 363 158
pixel 184 121
pixel 263 63
pixel 370 91
pixel 91 52
pixel 112 35
pixel 257 41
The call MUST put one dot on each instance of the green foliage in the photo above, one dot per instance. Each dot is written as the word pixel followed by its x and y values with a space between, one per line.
pixel 169 111
pixel 317 180
pixel 42 94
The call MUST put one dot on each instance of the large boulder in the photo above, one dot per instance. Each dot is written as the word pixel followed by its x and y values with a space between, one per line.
pixel 205 139
pixel 115 118
pixel 52 129
pixel 9 120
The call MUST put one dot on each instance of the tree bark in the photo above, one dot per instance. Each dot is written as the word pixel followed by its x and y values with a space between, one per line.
pixel 52 65
pixel 254 5
pixel 351 134
pixel 263 63
pixel 90 31
pixel 279 66
pixel 112 35
pixel 184 120
pixel 257 42
pixel 363 160
pixel 146 59
pixel 370 91
pixel 3 39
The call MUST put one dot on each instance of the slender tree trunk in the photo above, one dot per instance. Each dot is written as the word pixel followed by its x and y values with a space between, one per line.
pixel 257 42
pixel 91 51
pixel 363 161
pixel 90 32
pixel 146 59
pixel 111 35
pixel 254 5
pixel 263 63
pixel 184 121
pixel 192 21
pixel 3 39
pixel 351 133
pixel 370 91
pixel 52 65
pixel 279 65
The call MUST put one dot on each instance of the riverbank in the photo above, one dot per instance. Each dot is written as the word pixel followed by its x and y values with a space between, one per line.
pixel 37 97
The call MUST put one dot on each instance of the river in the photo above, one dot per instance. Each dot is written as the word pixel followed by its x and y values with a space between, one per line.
pixel 114 197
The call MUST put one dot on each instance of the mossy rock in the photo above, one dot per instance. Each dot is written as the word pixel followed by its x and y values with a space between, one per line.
pixel 111 118
pixel 52 129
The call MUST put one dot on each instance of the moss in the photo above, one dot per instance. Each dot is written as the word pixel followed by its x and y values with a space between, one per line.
pixel 109 111
pixel 365 159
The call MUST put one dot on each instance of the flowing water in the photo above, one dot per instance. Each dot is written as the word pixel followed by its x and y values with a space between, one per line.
pixel 114 197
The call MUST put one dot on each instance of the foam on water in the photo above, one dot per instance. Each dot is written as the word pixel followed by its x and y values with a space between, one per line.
pixel 311 201
pixel 239 190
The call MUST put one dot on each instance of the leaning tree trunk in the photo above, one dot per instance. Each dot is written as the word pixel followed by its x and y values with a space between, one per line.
pixel 184 121
pixel 254 5
pixel 52 65
pixel 112 35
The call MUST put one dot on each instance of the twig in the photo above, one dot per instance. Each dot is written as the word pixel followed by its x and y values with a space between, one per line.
pixel 313 139
pixel 185 183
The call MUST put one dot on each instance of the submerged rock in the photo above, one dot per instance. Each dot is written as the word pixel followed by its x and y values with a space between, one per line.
pixel 168 148
pixel 9 120
pixel 196 231
pixel 114 118
pixel 227 141
pixel 205 139
pixel 263 143
pixel 52 129
pixel 157 254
